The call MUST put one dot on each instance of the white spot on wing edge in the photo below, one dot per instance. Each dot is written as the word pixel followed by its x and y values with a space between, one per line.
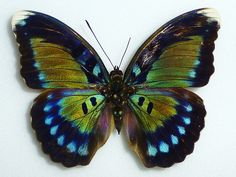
pixel 211 13
pixel 19 17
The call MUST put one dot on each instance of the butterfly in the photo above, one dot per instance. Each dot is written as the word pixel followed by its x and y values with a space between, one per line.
pixel 81 103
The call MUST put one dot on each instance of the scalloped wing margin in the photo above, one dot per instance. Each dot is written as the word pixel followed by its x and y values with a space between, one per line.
pixel 71 124
pixel 162 125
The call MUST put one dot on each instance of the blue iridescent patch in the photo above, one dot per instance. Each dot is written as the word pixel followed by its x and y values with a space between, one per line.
pixel 84 56
pixel 53 130
pixel 42 76
pixel 48 107
pixel 163 147
pixel 181 130
pixel 60 140
pixel 186 120
pixel 96 70
pixel 36 65
pixel 71 146
pixel 22 23
pixel 197 62
pixel 136 70
pixel 188 108
pixel 174 140
pixel 152 150
pixel 192 74
pixel 83 149
pixel 48 120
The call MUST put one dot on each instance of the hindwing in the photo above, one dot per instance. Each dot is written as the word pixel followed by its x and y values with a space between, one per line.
pixel 162 125
pixel 71 124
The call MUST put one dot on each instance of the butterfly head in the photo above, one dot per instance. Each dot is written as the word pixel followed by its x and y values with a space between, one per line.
pixel 116 74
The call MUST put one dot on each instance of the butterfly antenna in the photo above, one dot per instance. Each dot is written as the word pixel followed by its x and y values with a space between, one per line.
pixel 99 43
pixel 124 52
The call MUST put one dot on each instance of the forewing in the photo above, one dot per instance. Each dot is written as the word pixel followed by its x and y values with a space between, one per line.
pixel 179 54
pixel 53 55
pixel 71 124
pixel 162 125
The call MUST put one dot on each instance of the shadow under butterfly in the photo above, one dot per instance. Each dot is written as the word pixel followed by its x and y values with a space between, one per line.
pixel 81 102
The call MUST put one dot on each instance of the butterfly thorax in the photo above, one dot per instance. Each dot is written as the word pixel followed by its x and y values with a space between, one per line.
pixel 117 94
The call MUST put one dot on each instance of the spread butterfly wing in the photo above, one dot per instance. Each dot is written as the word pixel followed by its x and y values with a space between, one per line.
pixel 179 54
pixel 53 55
pixel 163 120
pixel 162 125
pixel 71 124
pixel 71 120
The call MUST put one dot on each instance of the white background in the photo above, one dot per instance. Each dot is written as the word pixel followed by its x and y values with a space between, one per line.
pixel 114 22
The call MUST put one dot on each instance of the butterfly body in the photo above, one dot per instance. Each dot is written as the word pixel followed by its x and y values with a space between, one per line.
pixel 74 115
pixel 117 94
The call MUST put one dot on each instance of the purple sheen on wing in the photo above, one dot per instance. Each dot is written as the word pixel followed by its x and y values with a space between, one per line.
pixel 131 125
pixel 104 125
